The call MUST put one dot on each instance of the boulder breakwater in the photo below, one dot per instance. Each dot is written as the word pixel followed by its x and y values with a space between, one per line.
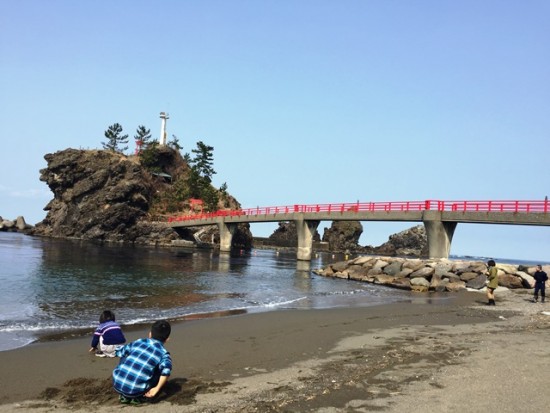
pixel 424 275
pixel 14 225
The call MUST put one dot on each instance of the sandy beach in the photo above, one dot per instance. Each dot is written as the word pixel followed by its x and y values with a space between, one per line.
pixel 436 353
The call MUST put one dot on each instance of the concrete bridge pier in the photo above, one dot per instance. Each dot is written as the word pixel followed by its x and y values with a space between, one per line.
pixel 440 234
pixel 226 235
pixel 305 230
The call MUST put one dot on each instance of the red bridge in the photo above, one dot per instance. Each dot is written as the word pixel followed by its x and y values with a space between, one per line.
pixel 392 206
pixel 439 217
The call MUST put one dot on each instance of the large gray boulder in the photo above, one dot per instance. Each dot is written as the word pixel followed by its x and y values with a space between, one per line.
pixel 438 283
pixel 424 272
pixel 510 281
pixel 477 282
pixel 8 224
pixel 393 268
pixel 20 223
pixel 527 280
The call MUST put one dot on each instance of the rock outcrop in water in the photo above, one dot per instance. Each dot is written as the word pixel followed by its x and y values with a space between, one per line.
pixel 107 196
pixel 411 242
pixel 343 236
pixel 98 195
pixel 286 235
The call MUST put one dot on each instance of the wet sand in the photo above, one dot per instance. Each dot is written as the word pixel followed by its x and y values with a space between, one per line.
pixel 428 355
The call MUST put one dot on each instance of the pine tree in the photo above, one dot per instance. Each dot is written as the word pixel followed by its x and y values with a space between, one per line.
pixel 143 135
pixel 224 195
pixel 203 161
pixel 199 187
pixel 149 156
pixel 175 143
pixel 115 139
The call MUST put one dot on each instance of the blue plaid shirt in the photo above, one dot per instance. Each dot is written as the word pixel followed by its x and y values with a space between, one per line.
pixel 142 363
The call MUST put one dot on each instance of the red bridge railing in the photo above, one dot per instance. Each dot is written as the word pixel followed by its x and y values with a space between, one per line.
pixel 394 206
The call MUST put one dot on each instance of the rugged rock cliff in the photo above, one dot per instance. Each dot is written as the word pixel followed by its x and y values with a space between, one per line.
pixel 107 196
pixel 98 195
pixel 343 236
pixel 410 242
pixel 286 235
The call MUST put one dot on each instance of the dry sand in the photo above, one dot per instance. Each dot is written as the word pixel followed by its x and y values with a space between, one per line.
pixel 427 355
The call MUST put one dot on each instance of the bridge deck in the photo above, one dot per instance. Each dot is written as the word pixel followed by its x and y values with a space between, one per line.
pixel 486 212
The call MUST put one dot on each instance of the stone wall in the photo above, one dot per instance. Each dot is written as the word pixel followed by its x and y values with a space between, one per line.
pixel 428 274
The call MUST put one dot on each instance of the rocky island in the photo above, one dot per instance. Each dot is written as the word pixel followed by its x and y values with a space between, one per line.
pixel 106 196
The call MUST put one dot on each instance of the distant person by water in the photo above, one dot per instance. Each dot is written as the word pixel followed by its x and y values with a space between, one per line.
pixel 492 277
pixel 107 336
pixel 540 284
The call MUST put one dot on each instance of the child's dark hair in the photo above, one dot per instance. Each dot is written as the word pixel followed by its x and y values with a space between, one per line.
pixel 491 263
pixel 106 316
pixel 161 330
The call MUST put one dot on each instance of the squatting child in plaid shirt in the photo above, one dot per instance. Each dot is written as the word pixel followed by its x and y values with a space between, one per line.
pixel 144 367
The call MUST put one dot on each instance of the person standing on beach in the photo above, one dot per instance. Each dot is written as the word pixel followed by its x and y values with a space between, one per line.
pixel 540 284
pixel 144 367
pixel 107 336
pixel 492 277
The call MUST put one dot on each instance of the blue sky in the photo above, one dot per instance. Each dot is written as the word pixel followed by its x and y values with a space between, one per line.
pixel 303 101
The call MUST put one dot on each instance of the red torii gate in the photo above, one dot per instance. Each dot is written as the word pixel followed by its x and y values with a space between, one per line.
pixel 195 204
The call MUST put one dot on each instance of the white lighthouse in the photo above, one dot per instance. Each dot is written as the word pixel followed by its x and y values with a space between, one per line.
pixel 164 117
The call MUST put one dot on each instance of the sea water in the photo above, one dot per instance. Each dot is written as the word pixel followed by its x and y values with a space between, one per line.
pixel 51 286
